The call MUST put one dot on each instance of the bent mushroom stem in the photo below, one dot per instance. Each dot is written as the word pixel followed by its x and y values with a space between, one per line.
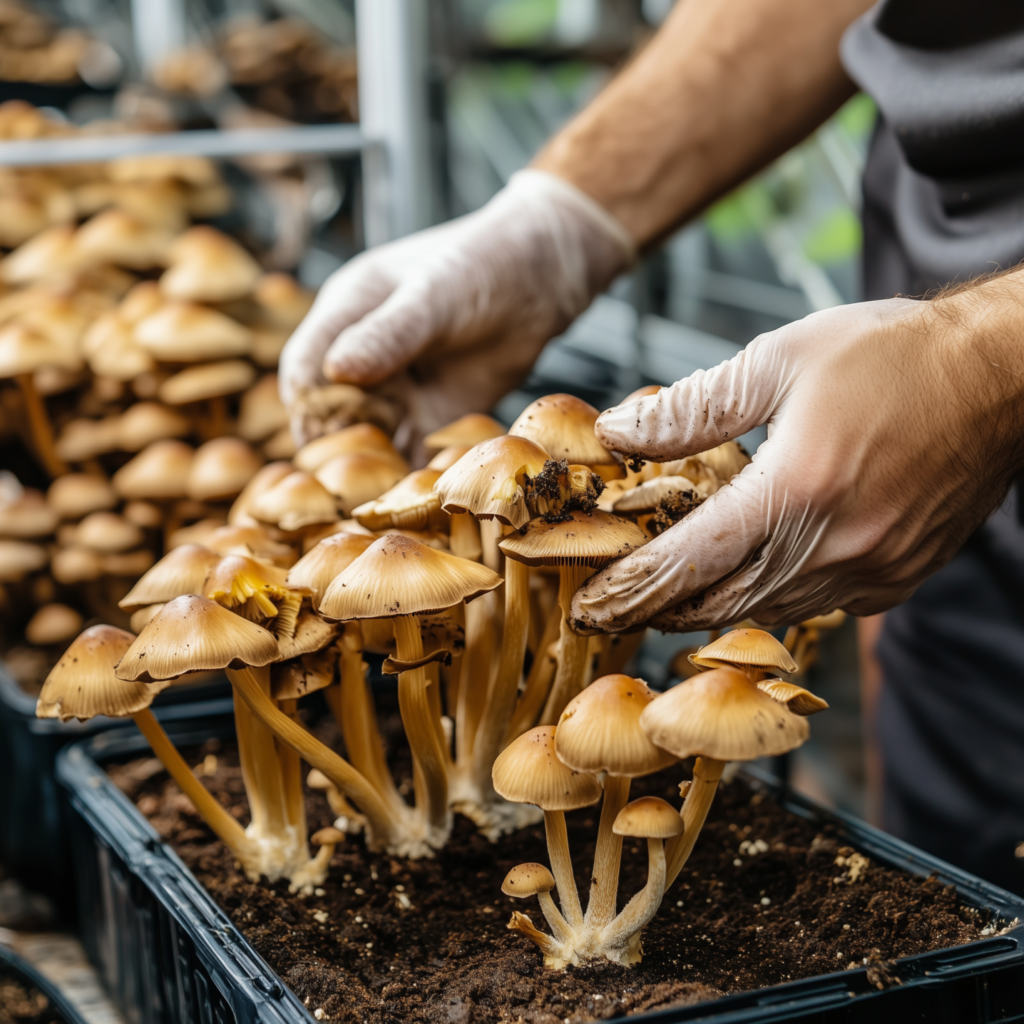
pixel 39 425
pixel 220 821
pixel 706 773
pixel 519 922
pixel 572 651
pixel 615 939
pixel 604 887
pixel 561 868
pixel 538 682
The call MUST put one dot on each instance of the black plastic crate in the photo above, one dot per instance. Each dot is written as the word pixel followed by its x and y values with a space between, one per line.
pixel 169 955
pixel 12 965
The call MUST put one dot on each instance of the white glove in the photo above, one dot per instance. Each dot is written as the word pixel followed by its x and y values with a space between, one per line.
pixel 449 320
pixel 887 445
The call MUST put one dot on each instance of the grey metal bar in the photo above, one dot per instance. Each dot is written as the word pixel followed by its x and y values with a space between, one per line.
pixel 320 140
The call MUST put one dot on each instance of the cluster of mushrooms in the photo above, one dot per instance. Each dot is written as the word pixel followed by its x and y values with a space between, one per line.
pixel 461 574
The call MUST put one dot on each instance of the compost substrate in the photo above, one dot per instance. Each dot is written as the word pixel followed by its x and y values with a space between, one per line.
pixel 766 897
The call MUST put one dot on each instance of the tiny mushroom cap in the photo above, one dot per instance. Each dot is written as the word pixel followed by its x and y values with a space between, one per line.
pixel 745 648
pixel 599 730
pixel 182 332
pixel 359 477
pixel 296 501
pixel 181 571
pixel 261 412
pixel 722 714
pixel 411 504
pixel 447 457
pixel 77 494
pixel 210 381
pixel 158 472
pixel 468 430
pixel 207 266
pixel 528 771
pixel 527 880
pixel 400 576
pixel 488 480
pixel 194 634
pixel 221 468
pixel 83 684
pixel 329 836
pixel 332 556
pixel 583 538
pixel 361 437
pixel 18 557
pixel 146 422
pixel 650 817
pixel 563 425
pixel 26 515
pixel 269 476
pixel 53 624
pixel 796 698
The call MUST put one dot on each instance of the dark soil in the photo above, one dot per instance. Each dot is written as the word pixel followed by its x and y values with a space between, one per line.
pixel 766 898
pixel 21 1005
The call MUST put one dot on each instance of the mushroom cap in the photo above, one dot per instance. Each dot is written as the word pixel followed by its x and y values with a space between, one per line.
pixel 77 494
pixel 488 480
pixel 82 684
pixel 221 468
pixel 293 679
pixel 649 494
pixel 650 817
pixel 722 714
pixel 563 425
pixel 143 513
pixel 183 332
pixel 160 471
pixel 411 504
pixel 128 563
pixel 28 515
pixel 527 880
pixel 107 532
pixel 18 557
pixel 53 624
pixel 296 501
pixel 283 300
pixel 528 771
pixel 142 618
pixel 447 457
pixel 749 648
pixel 281 445
pixel 830 621
pixel 233 579
pixel 50 253
pixel 207 266
pixel 312 634
pixel 209 381
pixel 83 439
pixel 115 236
pixel 796 698
pixel 261 412
pixel 181 571
pixel 396 575
pixel 360 437
pixel 253 541
pixel 329 558
pixel 584 538
pixel 115 353
pixel 74 564
pixel 468 430
pixel 645 392
pixel 358 477
pixel 599 730
pixel 145 422
pixel 194 634
pixel 329 836
pixel 23 350
pixel 269 476
pixel 726 460
pixel 143 298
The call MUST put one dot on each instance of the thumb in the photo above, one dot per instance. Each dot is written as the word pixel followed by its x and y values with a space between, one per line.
pixel 701 411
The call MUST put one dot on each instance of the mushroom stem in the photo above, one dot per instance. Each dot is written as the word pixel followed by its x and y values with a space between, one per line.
pixel 561 868
pixel 433 674
pixel 538 682
pixel 381 822
pixel 291 777
pixel 604 886
pixel 431 779
pixel 39 425
pixel 554 918
pixel 519 922
pixel 265 767
pixel 637 913
pixel 476 671
pixel 465 537
pixel 706 773
pixel 244 724
pixel 215 424
pixel 220 821
pixel 501 699
pixel 572 650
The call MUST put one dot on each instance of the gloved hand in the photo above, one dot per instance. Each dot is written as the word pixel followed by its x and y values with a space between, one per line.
pixel 894 429
pixel 449 320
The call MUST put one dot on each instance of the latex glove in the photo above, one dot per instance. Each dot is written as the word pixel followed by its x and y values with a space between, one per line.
pixel 883 454
pixel 449 320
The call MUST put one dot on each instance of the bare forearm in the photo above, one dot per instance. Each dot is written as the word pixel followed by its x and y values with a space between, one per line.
pixel 722 89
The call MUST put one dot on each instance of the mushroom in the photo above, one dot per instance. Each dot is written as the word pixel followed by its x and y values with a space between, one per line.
pixel 107 533
pixel 221 468
pixel 527 880
pixel 250 540
pixel 111 350
pixel 115 236
pixel 210 383
pixel 296 501
pixel 329 558
pixel 207 266
pixel 183 332
pixel 563 425
pixel 18 558
pixel 24 512
pixel 83 439
pixel 75 495
pixel 256 591
pixel 327 839
pixel 753 650
pixel 467 430
pixel 359 477
pixel 53 624
pixel 447 457
pixel 159 472
pixel 360 438
pixel 269 476
pixel 147 422
pixel 796 698
pixel 261 413
pixel 181 571
pixel 283 301
pixel 411 504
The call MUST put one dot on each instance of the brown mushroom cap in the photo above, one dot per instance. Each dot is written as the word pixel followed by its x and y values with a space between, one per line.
pixel 221 468
pixel 411 504
pixel 75 565
pixel 143 513
pixel 328 559
pixel 18 557
pixel 160 471
pixel 284 301
pixel 447 457
pixel 269 476
pixel 83 685
pixel 195 634
pixel 181 571
pixel 584 538
pixel 726 460
pixel 182 332
pixel 253 541
pixel 107 532
pixel 131 564
pixel 599 730
pixel 359 477
pixel 53 624
pixel 328 836
pixel 209 381
pixel 749 648
pixel 112 351
pixel 235 580
pixel 488 480
pixel 115 236
pixel 400 576
pixel 528 771
pixel 468 430
pixel 563 426
pixel 261 412
pixel 146 422
pixel 143 617
pixel 82 439
pixel 796 698
pixel 296 501
pixel 143 298
pixel 27 515
pixel 77 494
pixel 23 350
pixel 360 437
pixel 207 266
pixel 293 679
pixel 645 392
pixel 49 254
pixel 311 634
pixel 527 880
pixel 722 714
pixel 650 817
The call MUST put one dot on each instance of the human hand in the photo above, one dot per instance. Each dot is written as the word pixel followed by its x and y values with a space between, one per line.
pixel 894 429
pixel 450 319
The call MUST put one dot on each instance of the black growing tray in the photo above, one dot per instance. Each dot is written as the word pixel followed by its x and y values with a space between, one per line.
pixel 169 955
pixel 12 965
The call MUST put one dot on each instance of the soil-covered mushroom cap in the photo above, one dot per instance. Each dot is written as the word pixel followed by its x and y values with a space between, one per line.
pixel 649 494
pixel 399 576
pixel 528 771
pixel 328 559
pixel 527 880
pixel 796 698
pixel 650 817
pixel 360 437
pixel 194 634
pixel 181 571
pixel 578 538
pixel 488 480
pixel 599 730
pixel 182 332
pixel 468 430
pixel 563 426
pixel 146 422
pixel 296 501
pixel 221 468
pixel 209 381
pixel 77 494
pixel 358 477
pixel 748 648
pixel 411 504
pixel 83 684
pixel 53 624
pixel 158 472
pixel 722 714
